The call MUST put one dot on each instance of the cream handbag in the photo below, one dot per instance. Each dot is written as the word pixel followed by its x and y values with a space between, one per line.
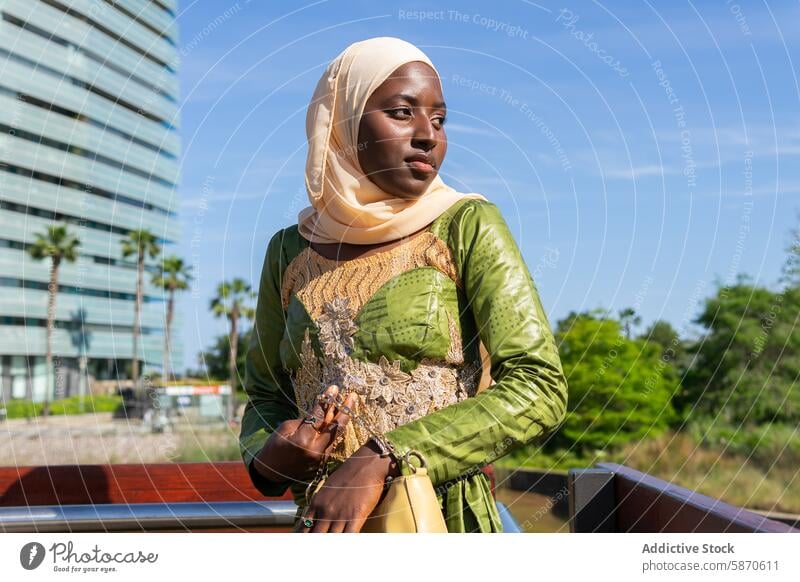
pixel 410 504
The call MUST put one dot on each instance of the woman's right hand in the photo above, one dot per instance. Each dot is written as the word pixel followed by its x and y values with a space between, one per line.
pixel 295 449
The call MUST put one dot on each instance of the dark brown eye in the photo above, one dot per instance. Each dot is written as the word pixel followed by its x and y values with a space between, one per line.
pixel 401 112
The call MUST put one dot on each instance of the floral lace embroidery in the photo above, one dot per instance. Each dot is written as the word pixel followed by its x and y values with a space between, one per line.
pixel 387 396
pixel 316 279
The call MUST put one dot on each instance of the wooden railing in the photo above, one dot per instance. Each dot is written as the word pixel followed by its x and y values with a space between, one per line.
pixel 220 497
pixel 126 483
pixel 616 498
pixel 146 497
pixel 149 497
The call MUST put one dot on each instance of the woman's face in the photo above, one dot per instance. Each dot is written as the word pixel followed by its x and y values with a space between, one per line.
pixel 401 138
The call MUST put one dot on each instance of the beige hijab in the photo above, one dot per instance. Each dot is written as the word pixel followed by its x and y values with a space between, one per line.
pixel 345 205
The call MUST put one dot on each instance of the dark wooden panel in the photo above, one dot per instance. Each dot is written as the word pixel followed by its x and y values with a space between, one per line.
pixel 126 483
pixel 591 501
pixel 648 504
pixel 552 484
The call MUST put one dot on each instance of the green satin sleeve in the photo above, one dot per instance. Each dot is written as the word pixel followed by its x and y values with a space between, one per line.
pixel 270 399
pixel 529 399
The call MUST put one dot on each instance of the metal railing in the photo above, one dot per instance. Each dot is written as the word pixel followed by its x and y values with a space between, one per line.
pixel 192 516
pixel 153 517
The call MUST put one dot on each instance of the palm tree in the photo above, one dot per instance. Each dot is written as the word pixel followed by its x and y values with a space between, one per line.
pixel 172 275
pixel 232 302
pixel 139 243
pixel 57 244
pixel 791 266
pixel 628 318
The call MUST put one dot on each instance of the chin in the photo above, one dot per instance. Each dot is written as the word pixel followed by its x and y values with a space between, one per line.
pixel 415 187
pixel 411 193
pixel 407 189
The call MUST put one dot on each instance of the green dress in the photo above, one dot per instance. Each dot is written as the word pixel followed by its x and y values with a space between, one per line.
pixel 402 329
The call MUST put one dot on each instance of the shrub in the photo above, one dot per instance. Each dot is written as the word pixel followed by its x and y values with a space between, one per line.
pixel 619 389
pixel 64 406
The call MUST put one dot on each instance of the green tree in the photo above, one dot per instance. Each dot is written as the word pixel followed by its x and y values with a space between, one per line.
pixel 662 333
pixel 173 275
pixel 233 302
pixel 746 365
pixel 620 389
pixel 140 244
pixel 673 347
pixel 215 361
pixel 57 244
pixel 627 319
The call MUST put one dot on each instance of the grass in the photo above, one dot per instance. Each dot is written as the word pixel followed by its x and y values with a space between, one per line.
pixel 64 406
pixel 743 480
pixel 219 447
pixel 766 479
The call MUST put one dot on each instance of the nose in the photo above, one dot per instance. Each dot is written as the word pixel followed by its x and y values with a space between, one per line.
pixel 424 136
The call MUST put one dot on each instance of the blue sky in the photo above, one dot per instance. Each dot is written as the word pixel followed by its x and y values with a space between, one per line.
pixel 640 152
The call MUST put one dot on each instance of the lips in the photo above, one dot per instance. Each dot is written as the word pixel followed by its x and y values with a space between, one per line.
pixel 421 163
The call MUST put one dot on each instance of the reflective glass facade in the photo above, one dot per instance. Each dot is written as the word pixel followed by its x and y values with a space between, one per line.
pixel 88 136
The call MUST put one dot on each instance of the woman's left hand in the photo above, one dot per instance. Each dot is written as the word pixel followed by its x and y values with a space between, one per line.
pixel 350 494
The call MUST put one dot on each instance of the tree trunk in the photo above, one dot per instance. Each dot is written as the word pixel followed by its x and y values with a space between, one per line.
pixel 168 338
pixel 136 309
pixel 83 384
pixel 234 341
pixel 52 290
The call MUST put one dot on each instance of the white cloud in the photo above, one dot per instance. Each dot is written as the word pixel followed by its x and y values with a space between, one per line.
pixel 210 199
pixel 635 172
pixel 460 128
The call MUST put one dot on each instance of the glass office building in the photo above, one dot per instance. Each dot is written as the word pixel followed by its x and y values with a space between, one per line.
pixel 88 138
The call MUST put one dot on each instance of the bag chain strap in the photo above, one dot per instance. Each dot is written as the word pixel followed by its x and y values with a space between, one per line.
pixel 387 448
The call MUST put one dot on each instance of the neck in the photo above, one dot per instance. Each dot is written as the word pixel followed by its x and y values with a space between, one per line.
pixel 343 251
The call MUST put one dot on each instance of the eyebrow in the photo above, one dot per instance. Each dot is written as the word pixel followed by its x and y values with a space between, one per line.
pixel 414 101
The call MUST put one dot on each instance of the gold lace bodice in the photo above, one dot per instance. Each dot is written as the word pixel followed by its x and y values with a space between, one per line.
pixel 388 397
pixel 316 279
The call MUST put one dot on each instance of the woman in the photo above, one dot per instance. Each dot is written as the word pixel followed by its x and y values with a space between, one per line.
pixel 382 294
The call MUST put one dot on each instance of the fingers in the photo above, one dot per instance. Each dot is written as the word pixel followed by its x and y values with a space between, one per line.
pixel 320 412
pixel 342 416
pixel 323 409
pixel 307 518
pixel 330 410
pixel 340 419
pixel 328 526
pixel 329 421
pixel 321 526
